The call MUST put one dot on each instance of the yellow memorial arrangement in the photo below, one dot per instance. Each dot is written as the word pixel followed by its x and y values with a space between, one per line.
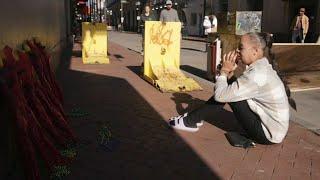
pixel 94 43
pixel 162 58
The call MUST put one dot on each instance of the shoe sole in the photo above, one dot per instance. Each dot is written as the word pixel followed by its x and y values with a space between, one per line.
pixel 183 128
pixel 200 124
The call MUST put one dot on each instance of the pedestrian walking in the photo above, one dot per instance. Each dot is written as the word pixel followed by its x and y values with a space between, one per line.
pixel 169 14
pixel 147 15
pixel 300 26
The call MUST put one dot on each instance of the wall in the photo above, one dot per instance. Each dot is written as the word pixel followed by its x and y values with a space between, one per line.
pixel 47 19
pixel 293 57
pixel 196 7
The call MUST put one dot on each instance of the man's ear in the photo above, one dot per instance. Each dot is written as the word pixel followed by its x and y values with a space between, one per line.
pixel 256 50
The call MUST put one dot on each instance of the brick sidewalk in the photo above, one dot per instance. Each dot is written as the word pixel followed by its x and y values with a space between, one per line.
pixel 136 113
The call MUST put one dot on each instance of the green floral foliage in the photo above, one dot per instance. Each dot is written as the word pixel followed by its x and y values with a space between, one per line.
pixel 59 172
pixel 70 153
pixel 76 112
pixel 104 134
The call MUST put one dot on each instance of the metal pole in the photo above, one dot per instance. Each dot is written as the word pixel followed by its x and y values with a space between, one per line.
pixel 105 12
pixel 204 12
pixel 95 10
pixel 136 17
pixel 121 15
pixel 91 11
pixel 204 7
pixel 89 4
pixel 100 7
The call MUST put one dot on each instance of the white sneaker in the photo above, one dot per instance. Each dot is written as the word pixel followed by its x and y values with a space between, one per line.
pixel 177 117
pixel 179 124
pixel 199 124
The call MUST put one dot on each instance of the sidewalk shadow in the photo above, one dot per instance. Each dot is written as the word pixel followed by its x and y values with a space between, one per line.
pixel 184 99
pixel 135 69
pixel 198 72
pixel 77 53
pixel 147 148
pixel 195 71
pixel 221 118
pixel 192 49
pixel 118 57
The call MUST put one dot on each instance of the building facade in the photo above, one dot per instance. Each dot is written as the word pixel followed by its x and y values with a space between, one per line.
pixel 48 20
pixel 276 14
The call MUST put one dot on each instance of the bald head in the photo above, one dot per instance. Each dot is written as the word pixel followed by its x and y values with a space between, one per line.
pixel 256 40
pixel 252 47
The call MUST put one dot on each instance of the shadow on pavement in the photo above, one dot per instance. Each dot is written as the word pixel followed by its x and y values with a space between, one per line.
pixel 147 148
pixel 77 53
pixel 136 69
pixel 118 56
pixel 195 71
pixel 222 119
pixel 185 102
pixel 192 49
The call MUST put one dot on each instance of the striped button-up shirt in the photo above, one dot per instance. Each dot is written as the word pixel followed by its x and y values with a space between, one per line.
pixel 264 91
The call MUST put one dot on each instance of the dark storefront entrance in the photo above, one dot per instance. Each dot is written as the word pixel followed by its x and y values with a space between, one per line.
pixel 312 11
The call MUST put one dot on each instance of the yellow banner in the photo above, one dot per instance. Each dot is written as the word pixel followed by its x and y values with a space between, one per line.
pixel 94 43
pixel 162 57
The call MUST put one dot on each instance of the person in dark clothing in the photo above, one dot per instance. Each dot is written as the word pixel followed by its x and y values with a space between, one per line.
pixel 147 15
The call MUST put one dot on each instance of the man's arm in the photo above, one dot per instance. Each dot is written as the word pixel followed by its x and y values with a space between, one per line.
pixel 177 17
pixel 241 89
pixel 293 23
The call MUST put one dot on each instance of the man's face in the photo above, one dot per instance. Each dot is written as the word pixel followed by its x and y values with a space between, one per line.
pixel 245 50
pixel 169 6
pixel 147 9
pixel 301 11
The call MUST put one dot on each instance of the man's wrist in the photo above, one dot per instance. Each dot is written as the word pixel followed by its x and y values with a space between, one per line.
pixel 224 73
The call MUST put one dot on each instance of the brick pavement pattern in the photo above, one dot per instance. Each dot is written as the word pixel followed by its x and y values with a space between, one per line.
pixel 137 113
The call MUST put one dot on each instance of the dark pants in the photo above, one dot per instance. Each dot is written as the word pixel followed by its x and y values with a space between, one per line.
pixel 297 34
pixel 142 40
pixel 249 121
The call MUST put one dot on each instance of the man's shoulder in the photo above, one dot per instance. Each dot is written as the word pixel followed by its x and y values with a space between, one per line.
pixel 173 10
pixel 162 11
